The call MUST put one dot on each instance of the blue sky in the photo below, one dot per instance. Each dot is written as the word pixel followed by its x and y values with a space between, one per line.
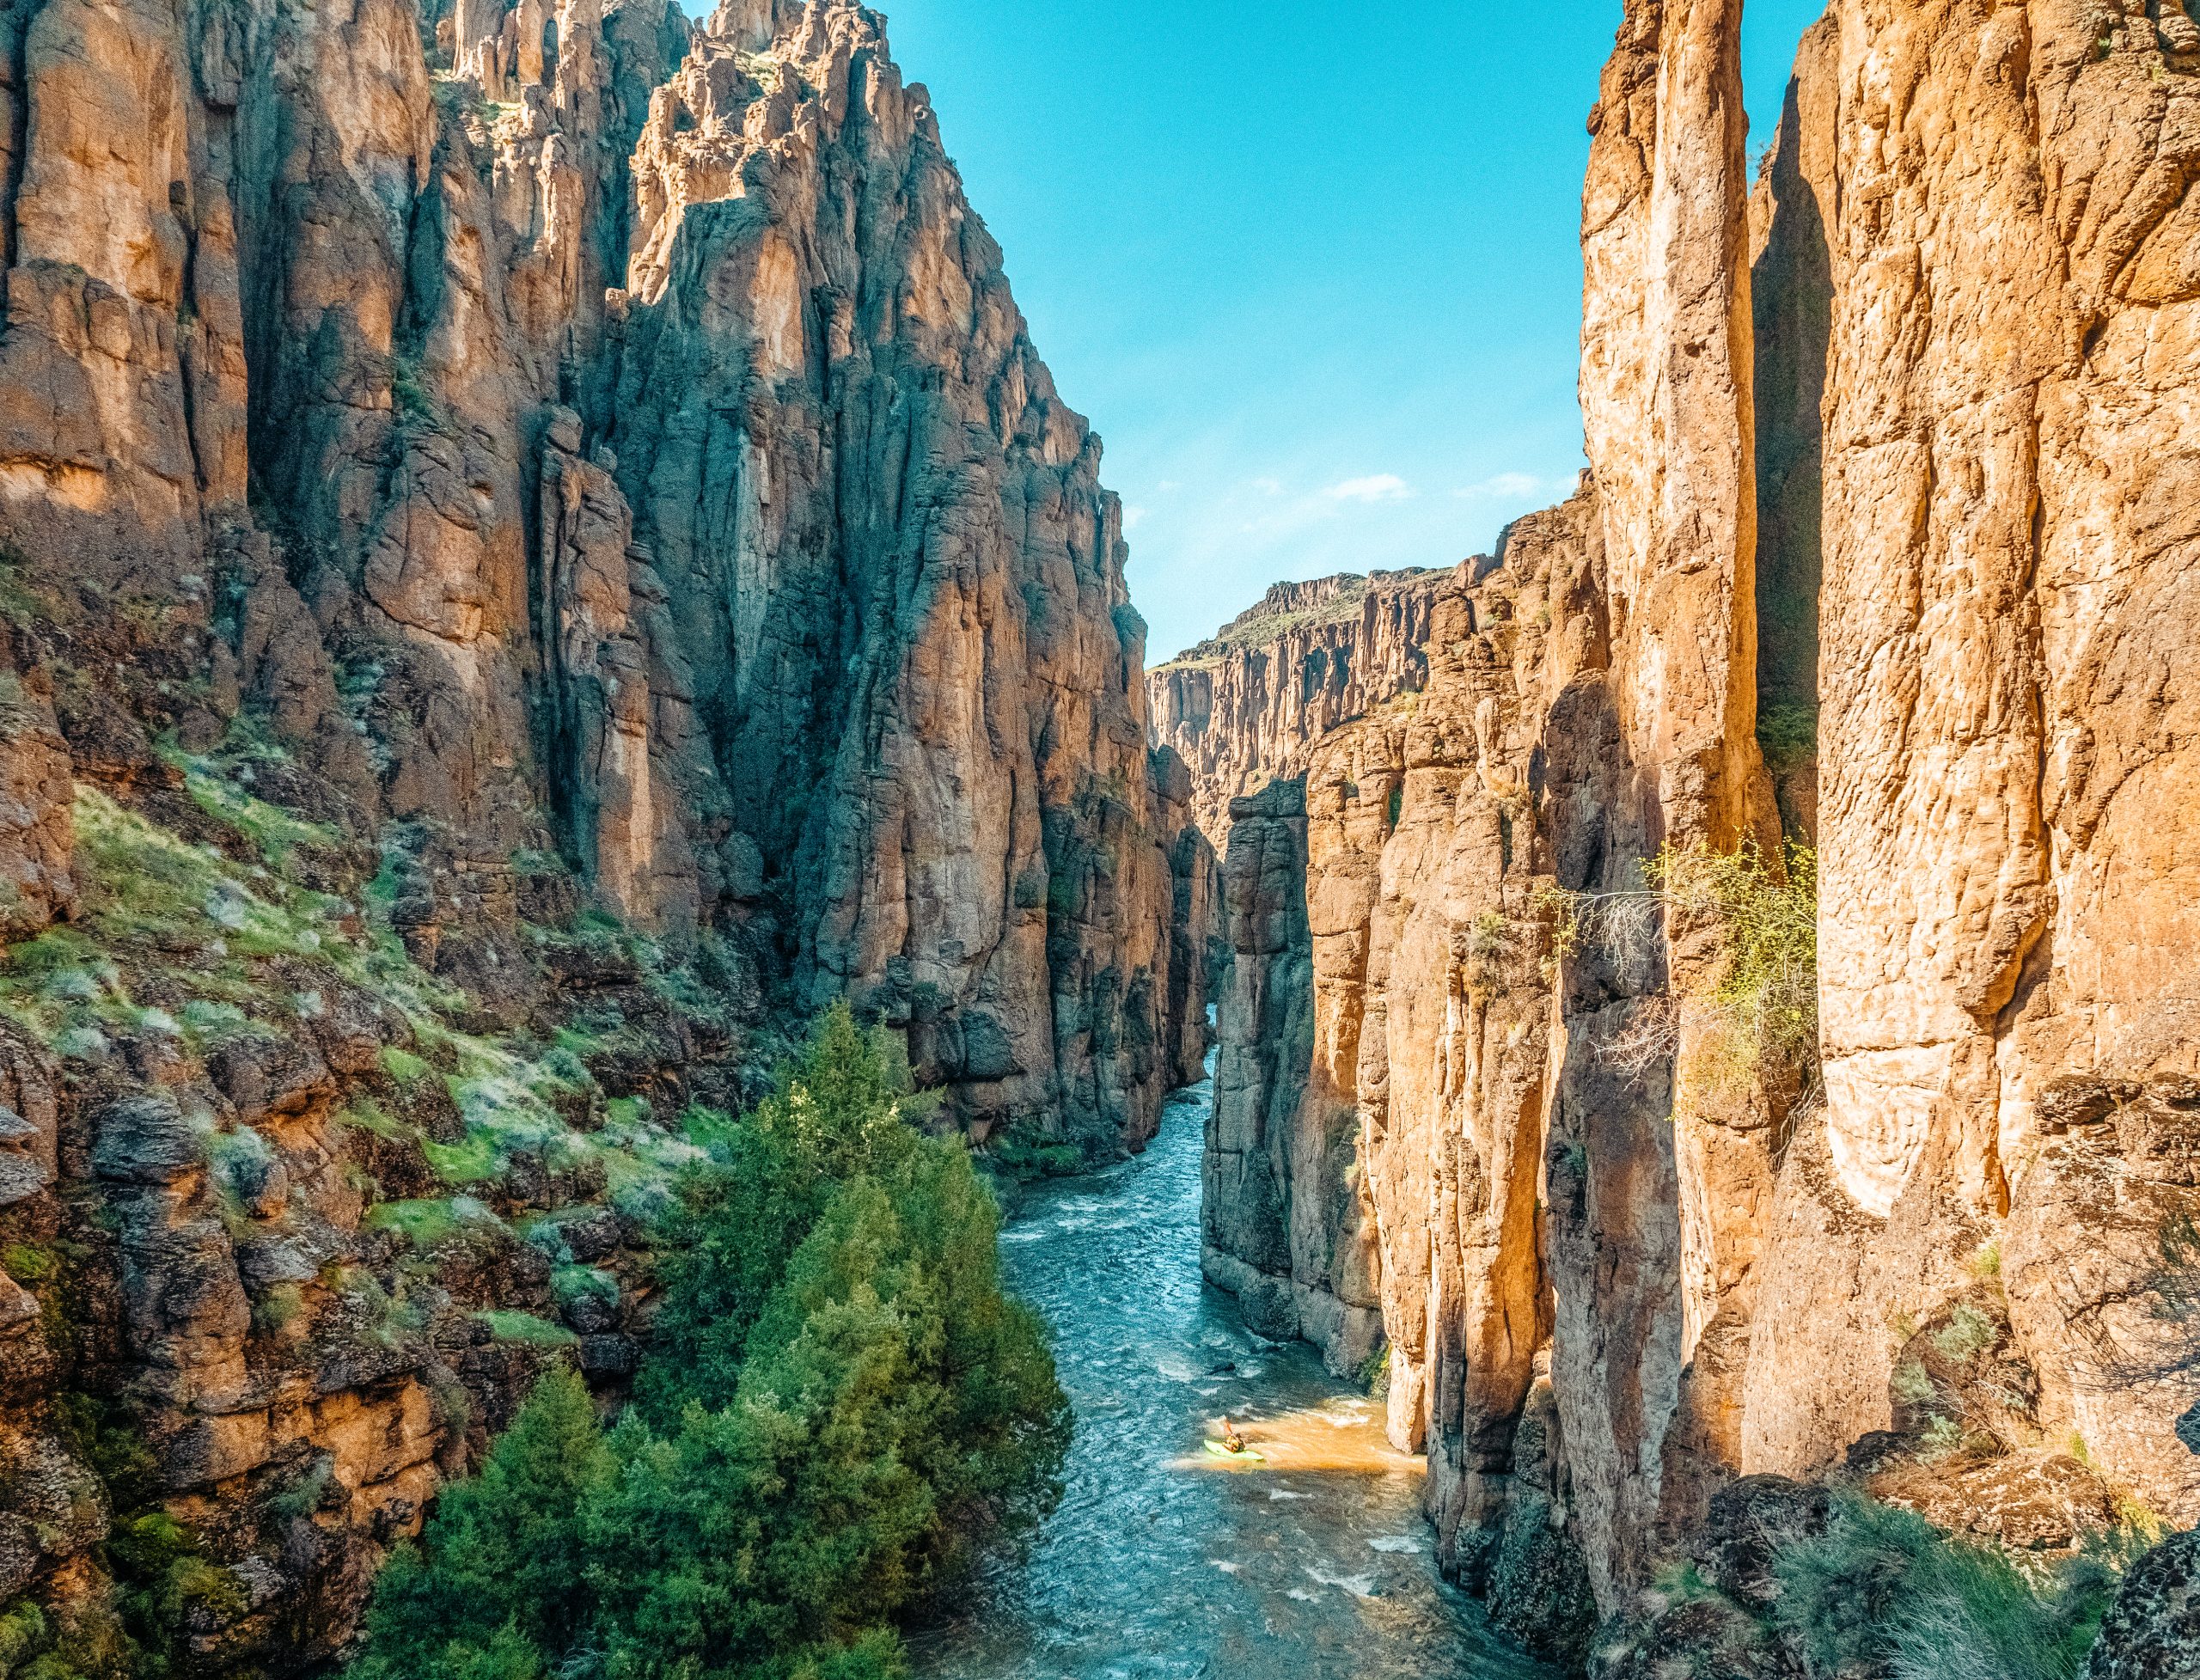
pixel 1310 270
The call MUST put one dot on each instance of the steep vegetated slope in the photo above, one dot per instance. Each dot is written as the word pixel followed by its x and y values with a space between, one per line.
pixel 1731 1018
pixel 536 551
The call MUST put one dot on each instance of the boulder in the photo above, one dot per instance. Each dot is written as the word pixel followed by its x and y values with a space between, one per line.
pixel 2152 1632
pixel 145 1139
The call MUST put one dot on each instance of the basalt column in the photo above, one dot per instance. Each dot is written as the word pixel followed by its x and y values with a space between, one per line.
pixel 1654 1194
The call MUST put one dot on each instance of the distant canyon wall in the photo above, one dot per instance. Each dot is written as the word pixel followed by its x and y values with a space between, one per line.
pixel 1247 704
pixel 1888 547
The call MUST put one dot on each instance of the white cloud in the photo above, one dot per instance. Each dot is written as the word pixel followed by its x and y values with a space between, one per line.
pixel 1131 516
pixel 1377 488
pixel 1268 486
pixel 1505 487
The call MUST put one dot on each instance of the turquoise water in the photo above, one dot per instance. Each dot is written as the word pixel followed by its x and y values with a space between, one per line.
pixel 1163 1562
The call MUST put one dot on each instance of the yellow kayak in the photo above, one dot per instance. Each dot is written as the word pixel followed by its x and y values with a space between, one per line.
pixel 1244 1456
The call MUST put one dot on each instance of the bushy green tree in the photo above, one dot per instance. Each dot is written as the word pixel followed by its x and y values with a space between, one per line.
pixel 841 1405
pixel 835 1113
pixel 506 1553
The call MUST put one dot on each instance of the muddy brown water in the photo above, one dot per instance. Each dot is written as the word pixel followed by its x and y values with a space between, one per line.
pixel 1163 1562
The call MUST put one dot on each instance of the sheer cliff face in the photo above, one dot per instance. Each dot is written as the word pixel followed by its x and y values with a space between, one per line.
pixel 2007 682
pixel 1920 405
pixel 1374 1161
pixel 462 472
pixel 647 451
pixel 891 567
pixel 1669 417
pixel 1247 705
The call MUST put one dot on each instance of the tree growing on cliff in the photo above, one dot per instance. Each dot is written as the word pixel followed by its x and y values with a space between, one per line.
pixel 504 1552
pixel 835 1115
pixel 843 1404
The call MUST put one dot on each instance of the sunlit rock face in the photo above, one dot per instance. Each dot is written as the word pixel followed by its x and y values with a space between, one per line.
pixel 569 443
pixel 1249 704
pixel 2008 935
pixel 1890 469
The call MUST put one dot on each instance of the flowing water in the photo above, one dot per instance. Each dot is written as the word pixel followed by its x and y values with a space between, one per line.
pixel 1163 1561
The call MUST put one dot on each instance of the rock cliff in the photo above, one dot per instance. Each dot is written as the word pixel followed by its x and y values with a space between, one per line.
pixel 2008 940
pixel 1883 550
pixel 1247 705
pixel 580 428
pixel 536 550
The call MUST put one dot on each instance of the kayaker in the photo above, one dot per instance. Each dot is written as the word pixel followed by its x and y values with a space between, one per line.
pixel 1230 1438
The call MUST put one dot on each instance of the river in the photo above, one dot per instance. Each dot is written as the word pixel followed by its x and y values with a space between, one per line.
pixel 1164 1562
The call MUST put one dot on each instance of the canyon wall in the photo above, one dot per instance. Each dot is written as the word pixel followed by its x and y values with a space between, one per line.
pixel 1920 405
pixel 636 452
pixel 536 551
pixel 2008 947
pixel 1247 705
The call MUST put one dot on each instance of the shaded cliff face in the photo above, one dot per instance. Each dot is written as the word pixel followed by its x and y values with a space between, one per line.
pixel 1916 404
pixel 1249 704
pixel 535 550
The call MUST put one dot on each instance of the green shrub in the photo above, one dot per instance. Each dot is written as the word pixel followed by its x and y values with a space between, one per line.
pixel 1373 1376
pixel 403 1067
pixel 471 1160
pixel 1788 735
pixel 570 1283
pixel 26 1263
pixel 106 1436
pixel 1884 1590
pixel 1968 1332
pixel 23 1631
pixel 839 1406
pixel 1944 1438
pixel 526 1329
pixel 1028 1158
pixel 1757 1008
pixel 1912 1382
pixel 303 1496
pixel 160 1557
pixel 278 1310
